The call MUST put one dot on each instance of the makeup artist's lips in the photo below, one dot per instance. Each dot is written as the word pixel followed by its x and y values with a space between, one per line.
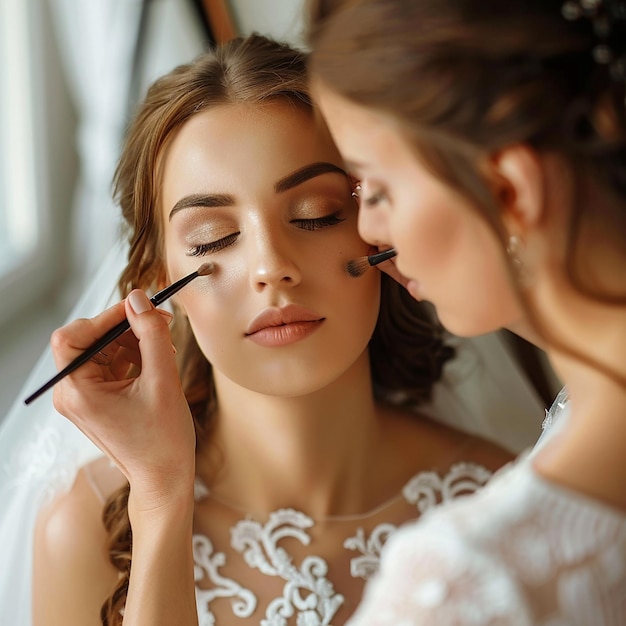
pixel 281 326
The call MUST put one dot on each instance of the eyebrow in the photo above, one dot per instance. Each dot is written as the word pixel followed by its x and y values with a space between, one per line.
pixel 202 200
pixel 284 184
pixel 306 173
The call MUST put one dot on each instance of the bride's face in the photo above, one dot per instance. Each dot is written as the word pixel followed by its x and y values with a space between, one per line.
pixel 260 192
pixel 444 247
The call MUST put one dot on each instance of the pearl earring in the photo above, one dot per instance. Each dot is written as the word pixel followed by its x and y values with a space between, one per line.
pixel 515 249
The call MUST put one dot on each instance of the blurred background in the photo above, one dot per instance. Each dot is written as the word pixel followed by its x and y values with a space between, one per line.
pixel 71 72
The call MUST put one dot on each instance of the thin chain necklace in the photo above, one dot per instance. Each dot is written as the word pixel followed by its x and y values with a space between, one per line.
pixel 202 491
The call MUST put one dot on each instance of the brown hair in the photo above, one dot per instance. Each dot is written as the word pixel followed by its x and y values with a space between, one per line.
pixel 407 349
pixel 465 78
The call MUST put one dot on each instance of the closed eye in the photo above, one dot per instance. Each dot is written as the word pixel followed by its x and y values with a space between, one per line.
pixel 319 222
pixel 214 246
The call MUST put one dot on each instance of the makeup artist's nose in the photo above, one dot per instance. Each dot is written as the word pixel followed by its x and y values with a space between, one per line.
pixel 272 264
pixel 373 227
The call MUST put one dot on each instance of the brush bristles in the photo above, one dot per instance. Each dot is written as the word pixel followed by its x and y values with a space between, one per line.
pixel 206 269
pixel 358 267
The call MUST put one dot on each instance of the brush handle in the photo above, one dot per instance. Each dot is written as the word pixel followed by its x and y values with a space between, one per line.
pixel 379 257
pixel 106 339
pixel 81 359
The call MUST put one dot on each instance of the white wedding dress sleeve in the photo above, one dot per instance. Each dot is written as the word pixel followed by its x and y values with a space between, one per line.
pixel 520 552
pixel 40 452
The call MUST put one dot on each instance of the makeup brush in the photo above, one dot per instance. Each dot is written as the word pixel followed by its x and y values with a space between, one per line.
pixel 358 267
pixel 116 331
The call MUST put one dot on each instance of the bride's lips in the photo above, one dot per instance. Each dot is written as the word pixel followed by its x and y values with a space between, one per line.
pixel 281 326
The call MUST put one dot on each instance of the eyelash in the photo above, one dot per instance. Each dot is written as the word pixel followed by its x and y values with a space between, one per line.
pixel 319 222
pixel 213 246
pixel 305 224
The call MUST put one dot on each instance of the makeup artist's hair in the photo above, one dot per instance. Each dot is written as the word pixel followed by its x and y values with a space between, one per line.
pixel 465 79
pixel 407 350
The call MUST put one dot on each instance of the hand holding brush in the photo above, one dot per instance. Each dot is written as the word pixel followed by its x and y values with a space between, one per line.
pixel 98 346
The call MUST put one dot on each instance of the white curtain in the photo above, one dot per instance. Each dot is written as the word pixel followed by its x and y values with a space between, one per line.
pixel 97 41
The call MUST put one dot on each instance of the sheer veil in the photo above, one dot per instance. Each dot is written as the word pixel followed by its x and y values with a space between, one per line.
pixel 40 452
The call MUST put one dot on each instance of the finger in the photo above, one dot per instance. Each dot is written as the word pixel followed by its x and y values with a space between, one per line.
pixel 152 331
pixel 166 315
pixel 74 338
pixel 127 360
pixel 389 267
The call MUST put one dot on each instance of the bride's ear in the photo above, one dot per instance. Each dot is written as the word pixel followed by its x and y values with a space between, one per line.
pixel 518 176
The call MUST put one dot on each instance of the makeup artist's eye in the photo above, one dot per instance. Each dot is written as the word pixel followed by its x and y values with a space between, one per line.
pixel 319 222
pixel 214 246
pixel 371 194
pixel 374 199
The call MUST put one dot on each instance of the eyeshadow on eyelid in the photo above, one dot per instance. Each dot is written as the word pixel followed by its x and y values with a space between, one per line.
pixel 311 208
pixel 192 233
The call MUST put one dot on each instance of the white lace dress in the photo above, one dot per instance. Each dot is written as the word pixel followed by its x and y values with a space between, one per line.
pixel 290 569
pixel 520 552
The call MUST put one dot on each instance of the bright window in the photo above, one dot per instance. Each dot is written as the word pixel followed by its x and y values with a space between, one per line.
pixel 23 218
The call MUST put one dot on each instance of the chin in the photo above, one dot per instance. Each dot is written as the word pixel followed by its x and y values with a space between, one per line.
pixel 466 327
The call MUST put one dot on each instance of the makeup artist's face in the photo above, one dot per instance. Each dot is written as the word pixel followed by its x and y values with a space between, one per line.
pixel 444 247
pixel 259 192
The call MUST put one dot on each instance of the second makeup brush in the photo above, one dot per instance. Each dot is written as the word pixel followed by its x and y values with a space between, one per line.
pixel 358 267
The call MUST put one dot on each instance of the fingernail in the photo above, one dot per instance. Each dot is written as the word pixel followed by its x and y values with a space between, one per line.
pixel 174 350
pixel 139 302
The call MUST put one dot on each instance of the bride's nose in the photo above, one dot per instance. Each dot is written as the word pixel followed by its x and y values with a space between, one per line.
pixel 273 264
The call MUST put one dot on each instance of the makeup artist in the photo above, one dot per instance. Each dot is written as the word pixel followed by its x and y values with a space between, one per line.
pixel 489 139
pixel 257 472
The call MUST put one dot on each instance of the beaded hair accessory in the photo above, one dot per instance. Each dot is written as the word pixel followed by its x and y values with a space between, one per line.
pixel 608 18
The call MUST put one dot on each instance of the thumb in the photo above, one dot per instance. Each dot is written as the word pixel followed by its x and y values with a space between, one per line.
pixel 153 335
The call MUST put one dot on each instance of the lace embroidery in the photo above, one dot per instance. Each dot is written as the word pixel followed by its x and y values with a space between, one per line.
pixel 366 565
pixel 307 593
pixel 555 410
pixel 428 488
pixel 424 490
pixel 207 563
pixel 43 457
pixel 260 550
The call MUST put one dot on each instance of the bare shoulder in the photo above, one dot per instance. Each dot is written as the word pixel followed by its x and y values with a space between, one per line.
pixel 431 444
pixel 484 452
pixel 71 572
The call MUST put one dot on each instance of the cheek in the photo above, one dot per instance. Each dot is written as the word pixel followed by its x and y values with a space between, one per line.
pixel 211 303
pixel 457 262
pixel 426 235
